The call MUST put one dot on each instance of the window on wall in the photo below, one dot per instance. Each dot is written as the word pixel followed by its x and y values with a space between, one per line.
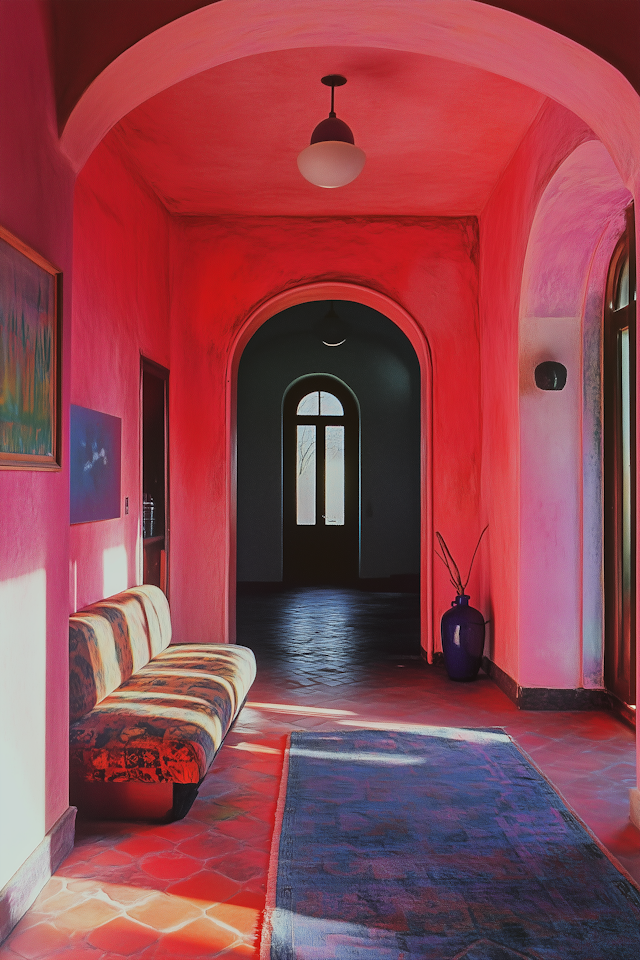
pixel 320 452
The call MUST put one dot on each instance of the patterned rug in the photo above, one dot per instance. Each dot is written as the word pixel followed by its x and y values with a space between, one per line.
pixel 438 845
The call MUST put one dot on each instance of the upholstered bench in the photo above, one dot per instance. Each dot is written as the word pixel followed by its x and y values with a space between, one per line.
pixel 147 718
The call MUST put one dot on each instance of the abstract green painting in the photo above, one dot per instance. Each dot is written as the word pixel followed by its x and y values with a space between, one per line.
pixel 29 373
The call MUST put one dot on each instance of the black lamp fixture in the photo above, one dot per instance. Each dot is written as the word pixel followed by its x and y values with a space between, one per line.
pixel 332 329
pixel 332 159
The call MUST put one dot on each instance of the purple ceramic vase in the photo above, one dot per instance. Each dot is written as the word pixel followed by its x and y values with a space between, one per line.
pixel 462 632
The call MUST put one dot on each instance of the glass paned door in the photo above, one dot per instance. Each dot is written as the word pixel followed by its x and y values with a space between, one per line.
pixel 334 475
pixel 320 482
pixel 305 474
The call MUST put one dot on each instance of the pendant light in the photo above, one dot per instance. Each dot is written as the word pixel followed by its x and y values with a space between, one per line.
pixel 332 159
pixel 332 329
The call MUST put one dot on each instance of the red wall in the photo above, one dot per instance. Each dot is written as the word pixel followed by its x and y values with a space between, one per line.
pixel 504 232
pixel 221 270
pixel 120 311
pixel 36 194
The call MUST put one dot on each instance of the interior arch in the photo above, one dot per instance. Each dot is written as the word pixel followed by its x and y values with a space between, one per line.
pixel 472 33
pixel 398 315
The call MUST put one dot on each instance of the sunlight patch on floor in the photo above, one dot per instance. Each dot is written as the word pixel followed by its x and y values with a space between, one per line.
pixel 447 733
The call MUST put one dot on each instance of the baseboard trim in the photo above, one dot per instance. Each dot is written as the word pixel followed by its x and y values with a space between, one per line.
pixel 24 886
pixel 501 679
pixel 546 698
pixel 396 583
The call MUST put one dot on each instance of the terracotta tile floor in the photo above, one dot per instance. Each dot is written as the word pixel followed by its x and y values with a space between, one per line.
pixel 326 660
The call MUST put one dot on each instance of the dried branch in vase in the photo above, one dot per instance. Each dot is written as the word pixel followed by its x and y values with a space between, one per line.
pixel 452 567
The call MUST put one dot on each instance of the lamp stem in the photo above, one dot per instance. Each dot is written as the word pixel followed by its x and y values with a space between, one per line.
pixel 332 112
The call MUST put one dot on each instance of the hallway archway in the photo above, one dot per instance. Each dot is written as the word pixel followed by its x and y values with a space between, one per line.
pixel 335 291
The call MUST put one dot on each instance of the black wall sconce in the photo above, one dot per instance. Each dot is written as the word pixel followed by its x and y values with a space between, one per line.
pixel 551 375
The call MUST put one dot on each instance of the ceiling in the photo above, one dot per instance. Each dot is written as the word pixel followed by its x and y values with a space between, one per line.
pixel 87 36
pixel 437 135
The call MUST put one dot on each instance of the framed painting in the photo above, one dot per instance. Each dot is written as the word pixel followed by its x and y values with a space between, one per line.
pixel 29 358
pixel 94 465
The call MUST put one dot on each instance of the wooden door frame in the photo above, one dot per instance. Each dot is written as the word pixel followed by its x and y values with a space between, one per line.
pixel 162 373
pixel 613 615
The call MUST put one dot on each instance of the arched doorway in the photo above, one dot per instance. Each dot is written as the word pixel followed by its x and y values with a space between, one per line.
pixel 619 368
pixel 320 482
pixel 333 290
pixel 285 369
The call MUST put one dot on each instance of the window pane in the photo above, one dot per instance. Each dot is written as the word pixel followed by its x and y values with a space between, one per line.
pixel 330 406
pixel 621 298
pixel 334 476
pixel 309 405
pixel 306 474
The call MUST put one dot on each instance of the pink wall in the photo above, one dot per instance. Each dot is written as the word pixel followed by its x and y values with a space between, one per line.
pixel 221 270
pixel 561 550
pixel 36 194
pixel 504 232
pixel 120 311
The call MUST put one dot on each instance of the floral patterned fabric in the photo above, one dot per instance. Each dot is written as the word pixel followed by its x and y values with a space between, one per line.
pixel 168 720
pixel 142 719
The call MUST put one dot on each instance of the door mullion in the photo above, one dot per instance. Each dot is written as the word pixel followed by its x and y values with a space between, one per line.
pixel 320 455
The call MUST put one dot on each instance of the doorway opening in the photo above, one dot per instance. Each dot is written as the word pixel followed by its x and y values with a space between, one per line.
pixel 321 483
pixel 619 475
pixel 285 361
pixel 154 389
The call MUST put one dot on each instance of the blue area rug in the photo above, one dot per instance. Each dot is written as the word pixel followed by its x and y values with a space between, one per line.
pixel 438 845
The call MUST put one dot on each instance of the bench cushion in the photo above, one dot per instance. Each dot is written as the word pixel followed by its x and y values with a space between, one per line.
pixel 167 721
pixel 110 640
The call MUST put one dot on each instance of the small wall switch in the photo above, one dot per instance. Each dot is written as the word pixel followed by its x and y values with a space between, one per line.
pixel 126 505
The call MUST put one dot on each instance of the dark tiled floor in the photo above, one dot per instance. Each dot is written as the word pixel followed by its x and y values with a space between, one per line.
pixel 327 659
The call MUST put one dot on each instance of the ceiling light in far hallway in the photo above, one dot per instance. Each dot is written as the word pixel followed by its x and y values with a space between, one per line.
pixel 332 329
pixel 332 159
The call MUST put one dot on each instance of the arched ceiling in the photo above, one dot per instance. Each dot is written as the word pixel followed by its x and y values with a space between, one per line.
pixel 466 32
pixel 86 36
pixel 437 134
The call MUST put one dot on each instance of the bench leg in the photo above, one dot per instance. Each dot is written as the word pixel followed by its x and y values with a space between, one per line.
pixel 183 796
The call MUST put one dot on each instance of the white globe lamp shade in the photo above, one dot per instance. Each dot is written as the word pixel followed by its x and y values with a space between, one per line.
pixel 331 163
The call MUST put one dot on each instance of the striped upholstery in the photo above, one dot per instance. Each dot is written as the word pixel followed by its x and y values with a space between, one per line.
pixel 144 719
pixel 110 640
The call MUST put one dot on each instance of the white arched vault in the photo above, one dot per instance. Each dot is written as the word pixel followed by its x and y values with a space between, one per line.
pixel 337 290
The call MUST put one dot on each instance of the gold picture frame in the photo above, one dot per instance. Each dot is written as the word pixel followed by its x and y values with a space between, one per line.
pixel 29 358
